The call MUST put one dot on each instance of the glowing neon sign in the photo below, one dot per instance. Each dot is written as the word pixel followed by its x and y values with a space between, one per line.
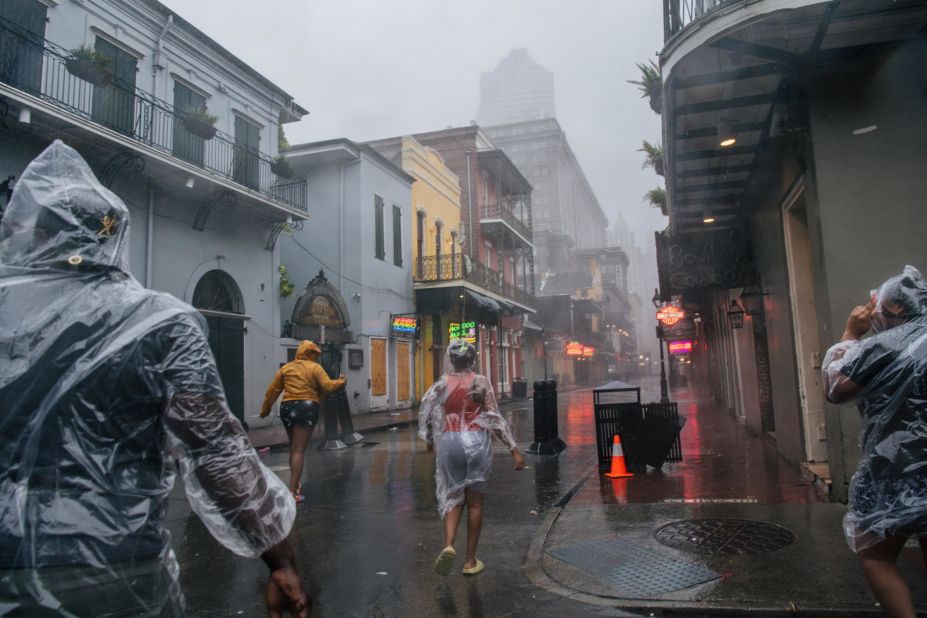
pixel 680 347
pixel 465 331
pixel 670 314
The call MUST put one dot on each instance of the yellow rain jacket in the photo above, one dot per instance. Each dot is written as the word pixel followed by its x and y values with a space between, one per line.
pixel 302 378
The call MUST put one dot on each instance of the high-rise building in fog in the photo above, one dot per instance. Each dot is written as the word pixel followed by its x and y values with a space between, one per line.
pixel 519 89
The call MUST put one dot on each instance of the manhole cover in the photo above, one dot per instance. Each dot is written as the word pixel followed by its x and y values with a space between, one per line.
pixel 724 536
pixel 630 570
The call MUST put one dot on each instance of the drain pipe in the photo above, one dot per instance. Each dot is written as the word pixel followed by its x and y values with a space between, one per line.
pixel 470 204
pixel 149 237
pixel 156 62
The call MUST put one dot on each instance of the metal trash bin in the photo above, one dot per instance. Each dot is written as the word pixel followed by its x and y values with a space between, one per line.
pixel 519 388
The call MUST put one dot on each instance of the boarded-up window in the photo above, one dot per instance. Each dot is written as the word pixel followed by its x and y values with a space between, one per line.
pixel 397 235
pixel 379 249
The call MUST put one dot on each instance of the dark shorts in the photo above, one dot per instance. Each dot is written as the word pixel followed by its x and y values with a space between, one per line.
pixel 300 412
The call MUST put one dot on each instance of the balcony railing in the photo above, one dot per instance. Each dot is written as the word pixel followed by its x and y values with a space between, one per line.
pixel 38 67
pixel 506 214
pixel 679 14
pixel 452 267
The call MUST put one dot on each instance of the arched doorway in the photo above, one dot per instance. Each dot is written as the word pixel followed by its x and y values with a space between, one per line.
pixel 218 298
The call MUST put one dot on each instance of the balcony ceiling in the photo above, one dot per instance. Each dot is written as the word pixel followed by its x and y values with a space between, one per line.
pixel 738 82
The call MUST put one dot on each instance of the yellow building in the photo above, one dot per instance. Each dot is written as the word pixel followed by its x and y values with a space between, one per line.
pixel 435 248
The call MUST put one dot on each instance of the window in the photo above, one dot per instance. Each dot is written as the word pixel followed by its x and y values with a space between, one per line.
pixel 438 236
pixel 247 153
pixel 186 145
pixel 114 105
pixel 21 51
pixel 454 254
pixel 397 235
pixel 379 250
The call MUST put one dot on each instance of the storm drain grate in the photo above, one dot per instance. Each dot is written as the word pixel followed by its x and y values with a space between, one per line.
pixel 631 570
pixel 724 536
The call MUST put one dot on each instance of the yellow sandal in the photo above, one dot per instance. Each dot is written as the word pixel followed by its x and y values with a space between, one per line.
pixel 475 569
pixel 445 561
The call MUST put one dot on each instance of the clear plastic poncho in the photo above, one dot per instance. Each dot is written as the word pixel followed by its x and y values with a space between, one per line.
pixel 459 415
pixel 887 373
pixel 106 389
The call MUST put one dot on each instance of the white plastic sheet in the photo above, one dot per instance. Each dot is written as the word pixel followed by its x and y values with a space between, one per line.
pixel 887 374
pixel 106 389
pixel 458 415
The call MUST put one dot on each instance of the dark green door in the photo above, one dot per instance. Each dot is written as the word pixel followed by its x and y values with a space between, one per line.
pixel 114 105
pixel 247 157
pixel 22 34
pixel 187 146
pixel 227 341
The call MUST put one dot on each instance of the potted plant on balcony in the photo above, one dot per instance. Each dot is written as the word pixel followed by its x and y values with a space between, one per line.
pixel 654 157
pixel 657 198
pixel 281 167
pixel 89 65
pixel 651 85
pixel 200 122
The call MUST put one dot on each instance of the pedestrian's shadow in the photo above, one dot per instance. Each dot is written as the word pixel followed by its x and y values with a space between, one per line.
pixel 474 597
pixel 444 598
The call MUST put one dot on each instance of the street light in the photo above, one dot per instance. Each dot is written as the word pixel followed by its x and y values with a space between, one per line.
pixel 736 315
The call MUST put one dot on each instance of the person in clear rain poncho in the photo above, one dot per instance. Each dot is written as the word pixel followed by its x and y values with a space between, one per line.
pixel 457 418
pixel 103 386
pixel 887 374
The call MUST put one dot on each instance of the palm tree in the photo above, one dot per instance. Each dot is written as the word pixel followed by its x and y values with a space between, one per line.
pixel 657 198
pixel 654 157
pixel 650 85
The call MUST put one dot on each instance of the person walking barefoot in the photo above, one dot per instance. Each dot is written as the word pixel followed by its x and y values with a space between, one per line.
pixel 458 417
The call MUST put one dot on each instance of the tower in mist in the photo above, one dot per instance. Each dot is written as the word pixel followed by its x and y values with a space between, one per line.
pixel 519 89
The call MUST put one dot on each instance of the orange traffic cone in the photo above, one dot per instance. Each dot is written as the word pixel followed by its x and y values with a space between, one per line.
pixel 618 468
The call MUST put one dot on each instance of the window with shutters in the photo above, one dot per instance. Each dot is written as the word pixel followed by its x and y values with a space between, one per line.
pixel 186 145
pixel 397 235
pixel 114 105
pixel 22 43
pixel 379 250
pixel 247 156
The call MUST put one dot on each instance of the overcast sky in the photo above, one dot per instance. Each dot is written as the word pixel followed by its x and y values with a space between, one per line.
pixel 367 69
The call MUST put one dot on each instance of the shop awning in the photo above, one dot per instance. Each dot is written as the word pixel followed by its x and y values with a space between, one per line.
pixel 484 302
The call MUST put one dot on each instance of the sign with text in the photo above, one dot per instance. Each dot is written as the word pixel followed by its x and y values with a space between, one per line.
pixel 681 330
pixel 574 348
pixel 680 347
pixel 695 262
pixel 462 330
pixel 588 351
pixel 404 326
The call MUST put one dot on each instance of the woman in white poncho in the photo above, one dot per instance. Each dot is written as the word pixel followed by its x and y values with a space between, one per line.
pixel 457 417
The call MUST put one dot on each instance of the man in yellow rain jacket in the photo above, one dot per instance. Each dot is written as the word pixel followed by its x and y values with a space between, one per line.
pixel 303 383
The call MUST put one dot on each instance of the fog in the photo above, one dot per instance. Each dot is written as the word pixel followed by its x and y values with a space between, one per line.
pixel 367 69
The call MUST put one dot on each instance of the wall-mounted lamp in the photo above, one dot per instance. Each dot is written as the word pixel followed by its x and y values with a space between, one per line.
pixel 657 300
pixel 707 215
pixel 726 135
pixel 25 115
pixel 190 182
pixel 735 314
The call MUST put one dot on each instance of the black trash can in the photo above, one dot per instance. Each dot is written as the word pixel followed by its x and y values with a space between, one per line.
pixel 519 388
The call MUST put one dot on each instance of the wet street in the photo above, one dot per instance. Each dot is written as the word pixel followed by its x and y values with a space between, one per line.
pixel 368 534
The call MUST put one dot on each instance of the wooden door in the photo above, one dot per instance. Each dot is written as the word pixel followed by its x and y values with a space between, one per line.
pixel 114 105
pixel 402 371
pixel 227 341
pixel 379 397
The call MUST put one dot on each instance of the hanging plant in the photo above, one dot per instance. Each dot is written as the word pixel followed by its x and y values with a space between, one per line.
pixel 654 156
pixel 656 197
pixel 89 65
pixel 200 122
pixel 650 84
pixel 286 286
pixel 281 167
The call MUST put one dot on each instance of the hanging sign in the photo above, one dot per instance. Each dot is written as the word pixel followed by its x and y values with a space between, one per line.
pixel 462 330
pixel 670 314
pixel 403 326
pixel 680 347
pixel 588 351
pixel 574 348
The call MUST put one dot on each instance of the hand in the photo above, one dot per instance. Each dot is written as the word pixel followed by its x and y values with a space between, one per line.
pixel 519 460
pixel 285 591
pixel 858 322
pixel 264 414
pixel 430 447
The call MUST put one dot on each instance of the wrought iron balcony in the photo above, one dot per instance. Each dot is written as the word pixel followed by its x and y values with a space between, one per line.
pixel 680 14
pixel 38 67
pixel 434 268
pixel 506 213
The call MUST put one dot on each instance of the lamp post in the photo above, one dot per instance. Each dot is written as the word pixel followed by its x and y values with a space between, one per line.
pixel 664 389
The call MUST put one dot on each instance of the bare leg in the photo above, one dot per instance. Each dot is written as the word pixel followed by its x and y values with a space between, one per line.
pixel 451 521
pixel 885 578
pixel 299 440
pixel 474 525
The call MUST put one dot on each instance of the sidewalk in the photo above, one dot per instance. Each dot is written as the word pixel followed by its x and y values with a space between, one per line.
pixel 732 529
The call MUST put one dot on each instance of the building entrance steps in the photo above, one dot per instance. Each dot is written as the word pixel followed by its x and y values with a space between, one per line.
pixel 733 528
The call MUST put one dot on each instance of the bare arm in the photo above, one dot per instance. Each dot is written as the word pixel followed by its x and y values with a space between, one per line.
pixel 273 391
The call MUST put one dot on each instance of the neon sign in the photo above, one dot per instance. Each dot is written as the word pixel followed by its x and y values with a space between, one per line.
pixel 588 351
pixel 464 330
pixel 680 347
pixel 670 314
pixel 574 348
